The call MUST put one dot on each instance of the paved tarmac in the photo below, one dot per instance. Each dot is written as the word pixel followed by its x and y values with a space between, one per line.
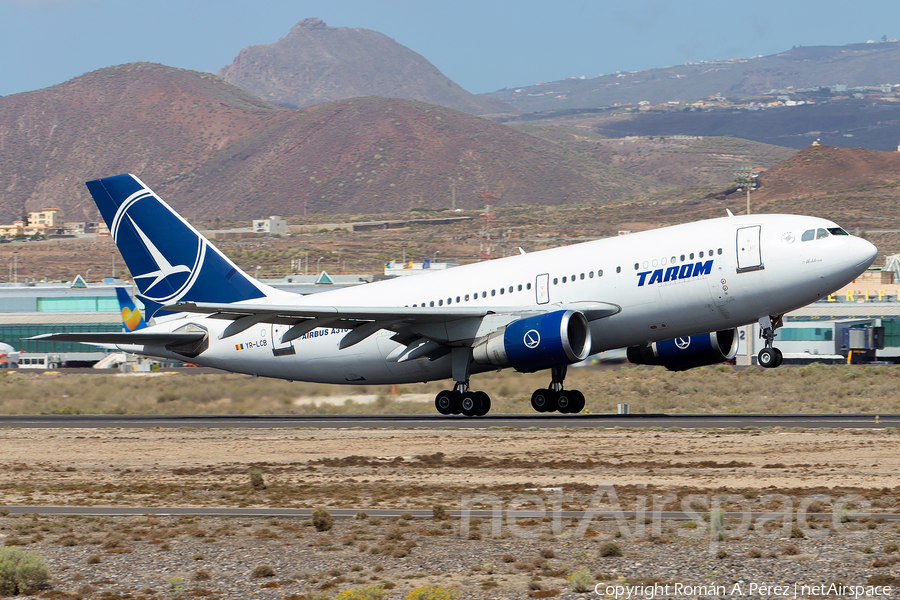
pixel 541 421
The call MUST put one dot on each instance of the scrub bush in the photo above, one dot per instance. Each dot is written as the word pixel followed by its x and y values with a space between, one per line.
pixel 21 572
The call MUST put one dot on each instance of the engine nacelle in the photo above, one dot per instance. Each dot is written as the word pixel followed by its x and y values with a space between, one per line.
pixel 687 352
pixel 540 342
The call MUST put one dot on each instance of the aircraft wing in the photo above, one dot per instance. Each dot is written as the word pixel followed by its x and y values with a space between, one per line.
pixel 411 325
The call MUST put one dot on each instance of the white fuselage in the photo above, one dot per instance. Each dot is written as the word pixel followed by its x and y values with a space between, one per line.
pixel 676 281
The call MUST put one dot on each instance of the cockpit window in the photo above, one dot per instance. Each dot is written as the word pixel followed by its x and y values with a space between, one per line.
pixel 821 233
pixel 837 231
pixel 808 235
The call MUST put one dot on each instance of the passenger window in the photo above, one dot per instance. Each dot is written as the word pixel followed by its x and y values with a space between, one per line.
pixel 564 279
pixel 821 233
pixel 701 255
pixel 511 289
pixel 527 286
pixel 600 273
pixel 467 297
pixel 520 287
pixel 692 256
pixel 808 235
pixel 682 258
pixel 582 276
pixel 555 281
pixel 431 303
pixel 440 302
pixel 720 251
pixel 457 299
pixel 591 275
pixel 484 294
pixel 618 269
pixel 710 252
pixel 502 290
pixel 636 266
pixel 673 260
pixel 493 292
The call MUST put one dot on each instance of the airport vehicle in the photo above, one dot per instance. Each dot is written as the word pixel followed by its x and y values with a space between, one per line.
pixel 673 296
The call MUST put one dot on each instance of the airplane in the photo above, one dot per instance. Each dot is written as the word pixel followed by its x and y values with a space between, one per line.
pixel 132 319
pixel 6 350
pixel 673 296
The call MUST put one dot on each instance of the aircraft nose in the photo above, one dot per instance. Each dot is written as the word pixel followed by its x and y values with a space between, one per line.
pixel 862 253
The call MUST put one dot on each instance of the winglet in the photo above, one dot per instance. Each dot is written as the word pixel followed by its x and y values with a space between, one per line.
pixel 730 214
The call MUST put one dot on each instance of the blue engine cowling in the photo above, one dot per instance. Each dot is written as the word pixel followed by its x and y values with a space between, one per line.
pixel 540 342
pixel 684 353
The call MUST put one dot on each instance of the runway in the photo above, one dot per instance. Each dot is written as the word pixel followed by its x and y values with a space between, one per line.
pixel 540 421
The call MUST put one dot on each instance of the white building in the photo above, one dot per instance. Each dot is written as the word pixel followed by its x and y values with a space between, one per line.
pixel 271 226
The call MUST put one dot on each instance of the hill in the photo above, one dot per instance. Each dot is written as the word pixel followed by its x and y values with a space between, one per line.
pixel 217 150
pixel 803 67
pixel 315 63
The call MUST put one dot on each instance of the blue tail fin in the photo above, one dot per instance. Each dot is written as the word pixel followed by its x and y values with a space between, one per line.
pixel 169 259
pixel 132 319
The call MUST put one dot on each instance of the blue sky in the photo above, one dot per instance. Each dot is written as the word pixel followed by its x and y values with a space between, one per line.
pixel 483 45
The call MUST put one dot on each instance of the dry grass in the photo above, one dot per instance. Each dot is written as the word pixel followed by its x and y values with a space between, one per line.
pixel 808 389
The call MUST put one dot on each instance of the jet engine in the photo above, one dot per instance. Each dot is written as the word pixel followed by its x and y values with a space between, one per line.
pixel 685 353
pixel 558 338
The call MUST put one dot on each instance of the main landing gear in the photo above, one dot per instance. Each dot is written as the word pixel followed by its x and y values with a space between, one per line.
pixel 769 357
pixel 555 398
pixel 461 399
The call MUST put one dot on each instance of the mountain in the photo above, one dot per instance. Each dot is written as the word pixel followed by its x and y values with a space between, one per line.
pixel 852 65
pixel 213 149
pixel 315 63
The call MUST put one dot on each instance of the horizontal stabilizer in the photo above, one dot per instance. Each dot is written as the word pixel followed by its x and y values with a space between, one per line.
pixel 139 338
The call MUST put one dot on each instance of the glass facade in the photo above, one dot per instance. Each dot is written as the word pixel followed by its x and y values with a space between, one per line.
pixel 78 304
pixel 806 334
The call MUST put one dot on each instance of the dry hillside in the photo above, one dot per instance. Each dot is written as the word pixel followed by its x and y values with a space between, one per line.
pixel 315 63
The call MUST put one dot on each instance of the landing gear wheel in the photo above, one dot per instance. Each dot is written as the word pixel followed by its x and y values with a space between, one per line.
pixel 768 358
pixel 447 402
pixel 485 403
pixel 471 404
pixel 543 400
pixel 565 400
pixel 577 402
pixel 779 357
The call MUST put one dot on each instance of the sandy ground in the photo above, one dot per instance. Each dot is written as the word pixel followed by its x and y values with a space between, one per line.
pixel 62 466
pixel 763 470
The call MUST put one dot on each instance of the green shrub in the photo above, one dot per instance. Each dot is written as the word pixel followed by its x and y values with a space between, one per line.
pixel 256 479
pixel 370 592
pixel 610 549
pixel 432 593
pixel 262 571
pixel 21 571
pixel 322 519
pixel 580 581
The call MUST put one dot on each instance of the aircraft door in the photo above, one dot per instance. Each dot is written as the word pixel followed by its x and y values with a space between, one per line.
pixel 278 348
pixel 748 250
pixel 542 288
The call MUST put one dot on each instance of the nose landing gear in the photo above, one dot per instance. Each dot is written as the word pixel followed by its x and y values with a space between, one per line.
pixel 769 357
pixel 555 398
